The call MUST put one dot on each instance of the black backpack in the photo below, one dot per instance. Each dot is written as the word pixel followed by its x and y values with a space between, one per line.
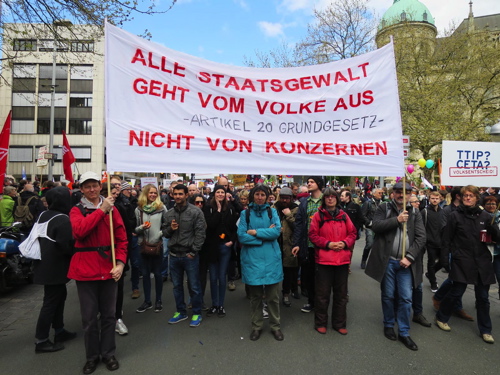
pixel 22 212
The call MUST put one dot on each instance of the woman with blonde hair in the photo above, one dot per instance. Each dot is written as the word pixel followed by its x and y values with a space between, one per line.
pixel 151 218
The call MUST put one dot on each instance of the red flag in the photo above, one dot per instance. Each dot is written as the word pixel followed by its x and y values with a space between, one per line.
pixel 4 148
pixel 68 159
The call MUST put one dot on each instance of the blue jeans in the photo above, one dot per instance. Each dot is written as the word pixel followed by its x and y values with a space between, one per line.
pixel 135 263
pixel 218 271
pixel 179 265
pixel 397 279
pixel 152 264
pixel 482 304
pixel 164 265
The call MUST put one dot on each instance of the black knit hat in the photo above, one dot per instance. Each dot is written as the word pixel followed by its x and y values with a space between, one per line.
pixel 257 188
pixel 219 187
pixel 318 180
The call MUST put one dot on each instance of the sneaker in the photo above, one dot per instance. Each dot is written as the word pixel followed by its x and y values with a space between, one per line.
pixel 307 308
pixel 178 317
pixel 145 306
pixel 444 326
pixel 488 338
pixel 48 347
pixel 121 328
pixel 265 313
pixel 204 307
pixel 158 306
pixel 211 311
pixel 222 312
pixel 434 287
pixel 296 295
pixel 195 321
pixel 286 300
pixel 231 286
pixel 136 293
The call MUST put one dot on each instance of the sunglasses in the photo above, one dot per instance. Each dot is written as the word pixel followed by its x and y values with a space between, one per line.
pixel 198 203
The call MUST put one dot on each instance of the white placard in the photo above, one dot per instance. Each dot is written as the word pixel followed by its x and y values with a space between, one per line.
pixel 470 163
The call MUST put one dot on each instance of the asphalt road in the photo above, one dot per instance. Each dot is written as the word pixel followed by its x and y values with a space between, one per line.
pixel 222 345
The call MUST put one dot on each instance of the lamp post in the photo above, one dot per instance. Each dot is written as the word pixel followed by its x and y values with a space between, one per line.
pixel 495 132
pixel 55 24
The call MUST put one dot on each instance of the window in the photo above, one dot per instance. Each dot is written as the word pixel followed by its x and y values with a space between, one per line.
pixel 47 45
pixel 43 126
pixel 80 102
pixel 20 153
pixel 24 71
pixel 81 72
pixel 425 16
pixel 82 154
pixel 24 44
pixel 403 16
pixel 23 127
pixel 80 127
pixel 82 46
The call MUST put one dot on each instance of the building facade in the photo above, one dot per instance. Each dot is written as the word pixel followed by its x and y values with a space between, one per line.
pixel 28 55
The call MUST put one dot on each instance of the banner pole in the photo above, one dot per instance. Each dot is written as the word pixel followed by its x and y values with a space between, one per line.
pixel 111 229
pixel 403 246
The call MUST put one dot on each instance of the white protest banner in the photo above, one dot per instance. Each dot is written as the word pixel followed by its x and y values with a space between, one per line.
pixel 164 107
pixel 470 163
pixel 149 180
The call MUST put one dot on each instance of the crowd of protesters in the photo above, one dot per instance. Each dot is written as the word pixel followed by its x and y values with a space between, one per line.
pixel 275 239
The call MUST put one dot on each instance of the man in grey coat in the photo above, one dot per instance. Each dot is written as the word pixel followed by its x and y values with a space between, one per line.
pixel 397 273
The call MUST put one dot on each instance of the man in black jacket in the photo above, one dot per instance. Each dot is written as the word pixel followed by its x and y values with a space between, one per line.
pixel 35 205
pixel 432 221
pixel 352 209
pixel 368 211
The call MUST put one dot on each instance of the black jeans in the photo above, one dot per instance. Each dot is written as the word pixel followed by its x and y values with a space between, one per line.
pixel 433 262
pixel 52 311
pixel 290 276
pixel 98 297
pixel 328 279
pixel 307 271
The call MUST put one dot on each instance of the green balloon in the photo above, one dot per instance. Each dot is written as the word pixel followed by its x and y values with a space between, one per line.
pixel 429 163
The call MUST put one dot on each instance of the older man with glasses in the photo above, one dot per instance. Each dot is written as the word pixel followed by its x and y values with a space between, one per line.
pixel 393 261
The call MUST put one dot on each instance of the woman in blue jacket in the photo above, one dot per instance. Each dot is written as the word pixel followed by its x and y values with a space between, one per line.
pixel 258 230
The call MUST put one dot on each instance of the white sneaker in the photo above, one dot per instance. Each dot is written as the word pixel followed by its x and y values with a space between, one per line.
pixel 265 313
pixel 121 328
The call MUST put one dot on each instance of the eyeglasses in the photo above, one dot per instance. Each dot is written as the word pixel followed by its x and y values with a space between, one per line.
pixel 490 204
pixel 414 202
pixel 198 203
pixel 468 196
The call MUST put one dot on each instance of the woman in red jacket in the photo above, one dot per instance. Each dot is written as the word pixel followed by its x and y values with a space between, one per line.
pixel 333 235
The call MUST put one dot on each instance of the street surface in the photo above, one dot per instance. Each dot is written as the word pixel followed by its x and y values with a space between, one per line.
pixel 222 345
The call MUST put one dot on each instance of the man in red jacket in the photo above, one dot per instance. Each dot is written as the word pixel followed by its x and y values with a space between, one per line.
pixel 92 268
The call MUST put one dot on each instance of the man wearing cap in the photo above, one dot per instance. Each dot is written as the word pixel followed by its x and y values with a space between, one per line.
pixel 302 246
pixel 287 209
pixel 92 268
pixel 394 268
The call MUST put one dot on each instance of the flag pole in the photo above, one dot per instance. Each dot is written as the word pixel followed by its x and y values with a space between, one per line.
pixel 111 229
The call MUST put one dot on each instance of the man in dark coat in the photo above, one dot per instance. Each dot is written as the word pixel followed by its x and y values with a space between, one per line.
pixel 35 205
pixel 397 271
pixel 52 269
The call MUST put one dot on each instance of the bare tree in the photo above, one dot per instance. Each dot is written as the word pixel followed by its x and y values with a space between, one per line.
pixel 342 30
